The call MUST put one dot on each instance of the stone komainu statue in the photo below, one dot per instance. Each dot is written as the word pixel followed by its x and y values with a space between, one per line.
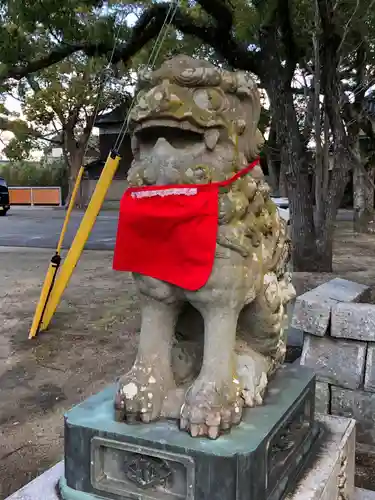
pixel 206 354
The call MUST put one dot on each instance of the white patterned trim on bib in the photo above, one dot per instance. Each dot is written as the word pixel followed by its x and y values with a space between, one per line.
pixel 165 192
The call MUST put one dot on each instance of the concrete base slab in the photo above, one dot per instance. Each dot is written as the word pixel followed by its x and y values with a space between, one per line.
pixel 43 487
pixel 331 475
pixel 364 494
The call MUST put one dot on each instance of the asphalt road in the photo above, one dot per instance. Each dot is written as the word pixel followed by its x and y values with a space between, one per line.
pixel 40 228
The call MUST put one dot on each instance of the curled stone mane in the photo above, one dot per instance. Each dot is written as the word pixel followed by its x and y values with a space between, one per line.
pixel 195 95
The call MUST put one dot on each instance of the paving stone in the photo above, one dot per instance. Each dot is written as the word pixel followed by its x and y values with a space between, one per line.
pixel 370 369
pixel 353 321
pixel 338 362
pixel 43 487
pixel 331 475
pixel 359 405
pixel 364 494
pixel 322 397
pixel 312 310
pixel 365 461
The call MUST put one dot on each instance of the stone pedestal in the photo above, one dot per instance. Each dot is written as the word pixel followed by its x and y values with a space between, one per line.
pixel 329 475
pixel 259 460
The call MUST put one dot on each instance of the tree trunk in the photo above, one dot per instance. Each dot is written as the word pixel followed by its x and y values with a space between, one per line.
pixel 273 161
pixel 283 182
pixel 363 201
pixel 320 193
pixel 273 177
pixel 305 256
pixel 370 191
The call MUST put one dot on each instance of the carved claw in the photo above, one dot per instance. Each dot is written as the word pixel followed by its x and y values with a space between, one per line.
pixel 208 411
pixel 252 369
pixel 140 394
pixel 254 396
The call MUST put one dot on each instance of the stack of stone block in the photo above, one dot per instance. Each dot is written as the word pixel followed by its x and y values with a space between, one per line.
pixel 339 344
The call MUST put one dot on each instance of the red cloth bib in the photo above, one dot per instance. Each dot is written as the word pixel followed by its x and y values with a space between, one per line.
pixel 169 232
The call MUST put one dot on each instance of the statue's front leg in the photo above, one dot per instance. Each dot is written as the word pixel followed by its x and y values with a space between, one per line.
pixel 142 390
pixel 214 402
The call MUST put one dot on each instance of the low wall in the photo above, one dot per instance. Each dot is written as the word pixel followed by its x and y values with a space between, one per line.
pixel 339 344
pixel 114 193
pixel 30 195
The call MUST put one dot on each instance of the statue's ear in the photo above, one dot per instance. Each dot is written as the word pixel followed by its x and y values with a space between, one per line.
pixel 254 145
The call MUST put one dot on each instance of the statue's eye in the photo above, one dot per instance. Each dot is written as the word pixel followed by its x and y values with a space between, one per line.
pixel 209 99
pixel 141 100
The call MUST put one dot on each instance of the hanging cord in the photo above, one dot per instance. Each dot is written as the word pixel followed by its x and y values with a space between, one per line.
pixel 106 74
pixel 150 63
pixel 104 77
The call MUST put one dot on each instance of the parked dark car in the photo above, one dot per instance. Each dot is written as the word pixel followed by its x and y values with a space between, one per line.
pixel 4 197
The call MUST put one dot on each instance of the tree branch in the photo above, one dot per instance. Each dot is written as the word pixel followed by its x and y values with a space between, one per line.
pixel 287 35
pixel 347 26
pixel 330 60
pixel 18 127
pixel 26 68
pixel 218 35
pixel 220 11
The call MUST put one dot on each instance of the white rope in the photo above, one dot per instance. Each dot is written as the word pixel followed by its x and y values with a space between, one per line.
pixel 105 76
pixel 150 63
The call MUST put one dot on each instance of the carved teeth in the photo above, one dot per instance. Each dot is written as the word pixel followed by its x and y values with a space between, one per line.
pixel 134 144
pixel 210 138
pixel 168 123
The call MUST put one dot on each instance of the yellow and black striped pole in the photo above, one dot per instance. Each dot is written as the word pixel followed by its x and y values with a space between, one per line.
pixel 56 285
pixel 54 264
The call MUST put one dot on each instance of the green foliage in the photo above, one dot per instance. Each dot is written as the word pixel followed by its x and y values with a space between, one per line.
pixel 25 173
pixel 67 92
pixel 19 149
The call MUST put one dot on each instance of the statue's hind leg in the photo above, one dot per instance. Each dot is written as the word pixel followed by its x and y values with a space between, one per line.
pixel 142 390
pixel 261 343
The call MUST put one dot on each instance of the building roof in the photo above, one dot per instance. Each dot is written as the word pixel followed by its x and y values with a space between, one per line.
pixel 114 117
pixel 93 169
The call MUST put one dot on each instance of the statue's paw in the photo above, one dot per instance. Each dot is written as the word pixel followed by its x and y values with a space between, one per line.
pixel 210 409
pixel 253 370
pixel 253 392
pixel 140 394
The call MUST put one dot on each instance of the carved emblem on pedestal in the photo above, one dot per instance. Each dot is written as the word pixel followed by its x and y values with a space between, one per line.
pixel 146 471
pixel 289 436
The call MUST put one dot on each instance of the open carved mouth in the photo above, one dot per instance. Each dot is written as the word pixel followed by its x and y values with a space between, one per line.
pixel 168 123
pixel 179 134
